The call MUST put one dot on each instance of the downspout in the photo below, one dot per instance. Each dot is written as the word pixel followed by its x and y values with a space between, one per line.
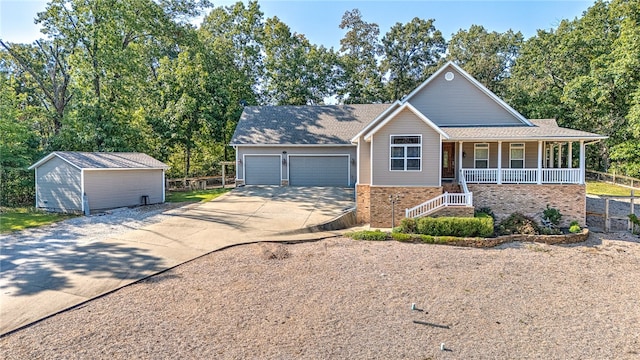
pixel 164 188
pixel 36 183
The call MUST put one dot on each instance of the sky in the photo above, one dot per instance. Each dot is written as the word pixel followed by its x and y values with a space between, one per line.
pixel 318 20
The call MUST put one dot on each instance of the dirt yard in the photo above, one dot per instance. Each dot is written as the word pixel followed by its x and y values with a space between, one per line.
pixel 346 299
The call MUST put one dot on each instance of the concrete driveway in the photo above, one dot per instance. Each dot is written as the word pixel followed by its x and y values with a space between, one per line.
pixel 37 281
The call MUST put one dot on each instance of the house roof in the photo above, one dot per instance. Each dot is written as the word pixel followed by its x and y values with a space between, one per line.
pixel 303 125
pixel 104 160
pixel 542 129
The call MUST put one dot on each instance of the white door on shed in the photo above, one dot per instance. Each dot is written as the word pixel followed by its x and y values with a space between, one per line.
pixel 319 170
pixel 262 169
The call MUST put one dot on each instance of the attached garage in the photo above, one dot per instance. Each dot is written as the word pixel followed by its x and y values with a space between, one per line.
pixel 319 170
pixel 68 181
pixel 262 169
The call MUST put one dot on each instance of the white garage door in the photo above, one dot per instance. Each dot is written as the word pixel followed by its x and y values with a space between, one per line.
pixel 319 170
pixel 262 170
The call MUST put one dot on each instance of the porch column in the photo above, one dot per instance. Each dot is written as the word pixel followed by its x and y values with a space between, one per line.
pixel 559 155
pixel 539 162
pixel 459 160
pixel 570 156
pixel 551 155
pixel 582 161
pixel 499 162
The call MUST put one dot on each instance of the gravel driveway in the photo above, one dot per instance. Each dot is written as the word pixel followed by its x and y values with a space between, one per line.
pixel 346 299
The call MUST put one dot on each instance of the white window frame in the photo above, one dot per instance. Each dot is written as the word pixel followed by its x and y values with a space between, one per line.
pixel 405 157
pixel 476 147
pixel 516 146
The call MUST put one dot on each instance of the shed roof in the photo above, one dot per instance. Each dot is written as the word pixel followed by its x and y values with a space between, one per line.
pixel 105 160
pixel 303 125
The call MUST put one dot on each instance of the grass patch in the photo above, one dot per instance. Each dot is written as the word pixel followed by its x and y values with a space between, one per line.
pixel 15 219
pixel 606 189
pixel 195 195
pixel 371 235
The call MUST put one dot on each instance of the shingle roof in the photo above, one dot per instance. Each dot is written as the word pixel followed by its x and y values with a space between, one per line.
pixel 303 125
pixel 105 160
pixel 543 129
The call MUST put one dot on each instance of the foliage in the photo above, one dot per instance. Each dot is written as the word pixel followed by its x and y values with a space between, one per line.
pixel 195 195
pixel 16 219
pixel 551 216
pixel 606 189
pixel 518 223
pixel 487 56
pixel 574 227
pixel 373 235
pixel 484 211
pixel 408 226
pixel 412 51
pixel 634 220
pixel 452 226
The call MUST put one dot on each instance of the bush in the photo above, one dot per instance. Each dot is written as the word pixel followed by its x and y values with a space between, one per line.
pixel 398 236
pixel 407 226
pixel 455 226
pixel 551 216
pixel 373 235
pixel 574 229
pixel 518 223
pixel 484 211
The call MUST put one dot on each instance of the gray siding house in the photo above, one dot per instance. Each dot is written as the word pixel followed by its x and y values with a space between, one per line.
pixel 447 147
pixel 68 181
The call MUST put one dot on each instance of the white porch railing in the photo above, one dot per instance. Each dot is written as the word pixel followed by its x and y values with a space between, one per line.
pixel 521 176
pixel 436 203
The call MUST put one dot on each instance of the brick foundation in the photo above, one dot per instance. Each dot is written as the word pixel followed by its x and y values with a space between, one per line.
pixel 531 200
pixel 374 206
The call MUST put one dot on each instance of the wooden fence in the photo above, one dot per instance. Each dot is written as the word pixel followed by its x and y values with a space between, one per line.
pixel 613 218
pixel 199 183
pixel 621 180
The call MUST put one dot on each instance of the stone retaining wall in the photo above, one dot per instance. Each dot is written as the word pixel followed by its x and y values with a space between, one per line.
pixel 492 242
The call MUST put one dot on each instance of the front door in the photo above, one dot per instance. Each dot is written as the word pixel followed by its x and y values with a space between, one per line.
pixel 448 160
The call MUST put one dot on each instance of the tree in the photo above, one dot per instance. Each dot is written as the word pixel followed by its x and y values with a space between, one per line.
pixel 297 72
pixel 487 56
pixel 411 53
pixel 361 82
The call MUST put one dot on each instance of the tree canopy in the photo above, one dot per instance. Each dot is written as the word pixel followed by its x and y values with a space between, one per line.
pixel 140 76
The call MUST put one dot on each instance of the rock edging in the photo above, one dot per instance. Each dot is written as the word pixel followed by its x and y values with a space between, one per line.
pixel 492 242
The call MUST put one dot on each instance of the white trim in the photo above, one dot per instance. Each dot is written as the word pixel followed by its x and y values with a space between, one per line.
pixel 357 164
pixel 459 159
pixel 237 178
pixel 516 146
pixel 410 107
pixel 320 155
pixel 82 191
pixel 475 82
pixel 49 157
pixel 374 121
pixel 499 162
pixel 405 157
pixel 439 157
pixel 244 164
pixel 475 146
pixel 36 181
pixel 121 169
pixel 570 155
pixel 371 163
pixel 582 160
pixel 540 162
pixel 164 183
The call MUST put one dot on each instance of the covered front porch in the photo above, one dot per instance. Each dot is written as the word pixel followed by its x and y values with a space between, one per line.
pixel 514 162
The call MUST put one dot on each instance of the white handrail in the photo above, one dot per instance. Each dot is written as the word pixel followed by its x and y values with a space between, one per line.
pixel 521 176
pixel 444 200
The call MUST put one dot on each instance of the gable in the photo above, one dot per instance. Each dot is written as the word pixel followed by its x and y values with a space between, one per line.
pixel 461 101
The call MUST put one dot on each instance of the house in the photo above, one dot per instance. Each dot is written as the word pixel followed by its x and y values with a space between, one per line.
pixel 68 181
pixel 447 147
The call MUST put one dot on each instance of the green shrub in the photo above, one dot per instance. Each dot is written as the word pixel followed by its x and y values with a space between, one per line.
pixel 484 211
pixel 455 226
pixel 373 235
pixel 518 223
pixel 551 216
pixel 398 236
pixel 408 226
pixel 574 229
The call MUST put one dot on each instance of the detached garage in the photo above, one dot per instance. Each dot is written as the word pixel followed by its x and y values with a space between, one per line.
pixel 68 181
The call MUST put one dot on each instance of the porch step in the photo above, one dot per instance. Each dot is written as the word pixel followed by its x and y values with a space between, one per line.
pixel 452 188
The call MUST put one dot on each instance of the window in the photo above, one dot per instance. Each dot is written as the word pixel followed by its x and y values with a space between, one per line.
pixel 516 156
pixel 406 152
pixel 481 156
